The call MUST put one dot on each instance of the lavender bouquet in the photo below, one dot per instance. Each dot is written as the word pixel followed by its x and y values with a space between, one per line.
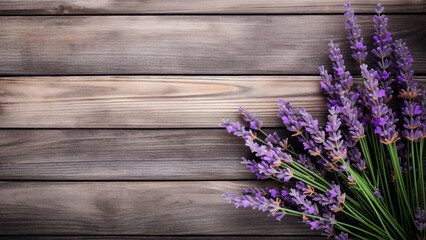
pixel 362 175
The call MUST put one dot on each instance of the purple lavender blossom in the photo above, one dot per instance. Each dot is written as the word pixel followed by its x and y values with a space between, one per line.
pixel 342 236
pixel 343 78
pixel 271 157
pixel 249 117
pixel 333 199
pixel 304 126
pixel 334 144
pixel 413 114
pixel 383 117
pixel 236 129
pixel 257 202
pixel 359 50
pixel 352 107
pixel 343 100
pixel 382 51
pixel 420 221
pixel 377 193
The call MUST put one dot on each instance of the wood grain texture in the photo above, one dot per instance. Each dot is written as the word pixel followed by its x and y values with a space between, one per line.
pixel 40 45
pixel 145 208
pixel 192 154
pixel 205 154
pixel 150 101
pixel 49 7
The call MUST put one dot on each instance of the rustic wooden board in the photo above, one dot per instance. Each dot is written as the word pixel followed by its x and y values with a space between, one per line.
pixel 151 101
pixel 200 154
pixel 122 155
pixel 48 7
pixel 268 44
pixel 162 237
pixel 146 208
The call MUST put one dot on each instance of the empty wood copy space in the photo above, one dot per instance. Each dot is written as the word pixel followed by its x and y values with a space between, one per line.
pixel 110 110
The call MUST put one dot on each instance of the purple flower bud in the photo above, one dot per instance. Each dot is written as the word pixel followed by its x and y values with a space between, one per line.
pixel 385 75
pixel 414 128
pixel 420 221
pixel 255 124
pixel 342 236
pixel 257 201
pixel 245 203
pixel 377 193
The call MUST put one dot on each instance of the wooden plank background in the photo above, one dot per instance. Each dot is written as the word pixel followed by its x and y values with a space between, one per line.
pixel 289 44
pixel 109 110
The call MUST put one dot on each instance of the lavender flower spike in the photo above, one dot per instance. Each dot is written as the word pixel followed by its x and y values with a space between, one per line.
pixel 413 108
pixel 382 51
pixel 343 78
pixel 340 95
pixel 257 201
pixel 249 117
pixel 383 117
pixel 359 50
pixel 334 144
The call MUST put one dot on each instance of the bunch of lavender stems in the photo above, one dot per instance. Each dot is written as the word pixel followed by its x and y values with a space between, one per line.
pixel 360 176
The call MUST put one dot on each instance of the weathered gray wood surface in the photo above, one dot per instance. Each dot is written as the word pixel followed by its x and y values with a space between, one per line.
pixel 48 7
pixel 107 183
pixel 191 154
pixel 202 154
pixel 152 101
pixel 266 44
pixel 144 208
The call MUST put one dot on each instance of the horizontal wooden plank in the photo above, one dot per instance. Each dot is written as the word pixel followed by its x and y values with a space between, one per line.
pixel 146 208
pixel 162 237
pixel 48 7
pixel 268 44
pixel 151 101
pixel 192 154
pixel 122 154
